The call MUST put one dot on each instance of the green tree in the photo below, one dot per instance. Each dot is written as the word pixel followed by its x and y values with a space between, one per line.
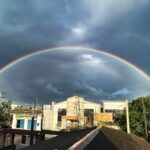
pixel 19 109
pixel 22 110
pixel 136 116
pixel 5 117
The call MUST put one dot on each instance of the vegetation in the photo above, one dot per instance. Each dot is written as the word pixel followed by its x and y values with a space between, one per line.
pixel 21 109
pixel 6 111
pixel 5 117
pixel 136 116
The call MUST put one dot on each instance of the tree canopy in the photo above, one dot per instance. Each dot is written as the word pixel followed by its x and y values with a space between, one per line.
pixel 136 116
pixel 26 110
pixel 5 117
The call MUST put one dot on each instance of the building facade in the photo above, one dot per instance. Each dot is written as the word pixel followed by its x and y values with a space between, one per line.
pixel 113 106
pixel 75 111
pixel 70 113
pixel 23 121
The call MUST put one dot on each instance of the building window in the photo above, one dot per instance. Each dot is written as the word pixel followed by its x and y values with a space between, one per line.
pixel 61 112
pixel 89 115
pixel 20 123
pixel 30 122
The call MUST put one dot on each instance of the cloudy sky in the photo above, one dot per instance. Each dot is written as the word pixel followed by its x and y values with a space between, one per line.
pixel 120 27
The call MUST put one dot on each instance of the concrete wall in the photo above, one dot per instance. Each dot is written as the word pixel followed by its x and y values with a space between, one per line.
pixel 26 118
pixel 55 107
pixel 74 106
pixel 51 115
pixel 104 117
pixel 47 114
pixel 114 105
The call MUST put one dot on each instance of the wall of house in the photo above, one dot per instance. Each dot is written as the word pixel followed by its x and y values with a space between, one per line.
pixel 74 106
pixel 25 122
pixel 50 118
pixel 47 114
pixel 114 105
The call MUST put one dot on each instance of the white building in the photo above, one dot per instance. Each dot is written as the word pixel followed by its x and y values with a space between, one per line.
pixel 13 106
pixel 113 106
pixel 72 112
pixel 2 99
pixel 23 121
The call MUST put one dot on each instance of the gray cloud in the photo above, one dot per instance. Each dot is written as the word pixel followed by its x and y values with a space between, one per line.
pixel 59 74
pixel 28 26
pixel 119 27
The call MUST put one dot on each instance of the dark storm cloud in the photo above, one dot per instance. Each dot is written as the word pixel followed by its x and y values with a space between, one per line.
pixel 59 74
pixel 125 34
pixel 126 44
pixel 119 27
pixel 27 26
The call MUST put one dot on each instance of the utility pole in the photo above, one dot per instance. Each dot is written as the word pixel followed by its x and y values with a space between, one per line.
pixel 42 135
pixel 42 119
pixel 145 120
pixel 127 117
pixel 78 108
pixel 32 123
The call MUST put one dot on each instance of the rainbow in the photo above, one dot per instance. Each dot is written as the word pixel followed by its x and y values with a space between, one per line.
pixel 140 71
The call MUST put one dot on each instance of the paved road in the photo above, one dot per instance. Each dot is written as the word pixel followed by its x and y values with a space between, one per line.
pixel 100 142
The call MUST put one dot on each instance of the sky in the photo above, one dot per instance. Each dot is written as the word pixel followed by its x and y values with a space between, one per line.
pixel 120 27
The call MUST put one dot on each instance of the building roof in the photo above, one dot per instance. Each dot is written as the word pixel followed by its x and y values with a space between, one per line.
pixel 64 101
pixel 113 139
